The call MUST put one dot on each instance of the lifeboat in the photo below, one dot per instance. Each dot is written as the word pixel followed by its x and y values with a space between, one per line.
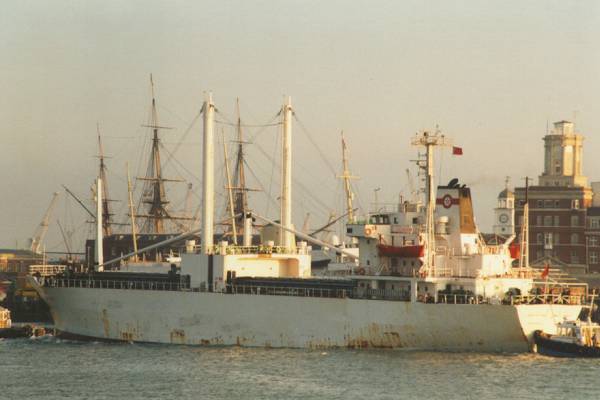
pixel 412 251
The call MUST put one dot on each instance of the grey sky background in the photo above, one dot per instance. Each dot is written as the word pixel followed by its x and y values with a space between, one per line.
pixel 489 73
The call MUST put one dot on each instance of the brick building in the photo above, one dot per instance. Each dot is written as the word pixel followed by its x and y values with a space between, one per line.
pixel 561 212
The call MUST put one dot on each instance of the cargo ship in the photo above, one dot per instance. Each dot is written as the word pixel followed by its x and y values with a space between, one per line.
pixel 425 279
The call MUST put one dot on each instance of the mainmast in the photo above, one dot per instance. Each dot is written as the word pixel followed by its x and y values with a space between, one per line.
pixel 241 193
pixel 106 214
pixel 430 141
pixel 154 195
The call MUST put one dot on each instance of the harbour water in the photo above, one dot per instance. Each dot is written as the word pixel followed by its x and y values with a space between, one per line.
pixel 51 368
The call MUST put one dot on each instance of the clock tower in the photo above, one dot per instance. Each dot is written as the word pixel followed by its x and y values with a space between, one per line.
pixel 504 223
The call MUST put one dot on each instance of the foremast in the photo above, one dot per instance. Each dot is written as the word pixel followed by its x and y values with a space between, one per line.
pixel 429 142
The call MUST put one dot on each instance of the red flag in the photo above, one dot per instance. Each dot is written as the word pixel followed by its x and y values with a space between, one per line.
pixel 457 151
pixel 546 271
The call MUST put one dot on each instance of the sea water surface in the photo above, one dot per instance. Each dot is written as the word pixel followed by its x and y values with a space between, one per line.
pixel 51 368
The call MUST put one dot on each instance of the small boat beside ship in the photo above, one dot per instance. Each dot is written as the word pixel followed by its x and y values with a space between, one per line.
pixel 8 330
pixel 573 339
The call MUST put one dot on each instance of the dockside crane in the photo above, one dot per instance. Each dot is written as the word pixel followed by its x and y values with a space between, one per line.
pixel 35 242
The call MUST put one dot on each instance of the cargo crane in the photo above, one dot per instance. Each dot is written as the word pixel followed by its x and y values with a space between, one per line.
pixel 35 242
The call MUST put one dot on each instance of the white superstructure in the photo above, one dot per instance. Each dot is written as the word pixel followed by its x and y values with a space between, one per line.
pixel 424 279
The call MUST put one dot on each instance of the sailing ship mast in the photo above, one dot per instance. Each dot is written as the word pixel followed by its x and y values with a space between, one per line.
pixel 106 214
pixel 237 188
pixel 241 194
pixel 154 195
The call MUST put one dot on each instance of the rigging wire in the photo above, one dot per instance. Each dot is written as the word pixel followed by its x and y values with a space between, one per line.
pixel 314 143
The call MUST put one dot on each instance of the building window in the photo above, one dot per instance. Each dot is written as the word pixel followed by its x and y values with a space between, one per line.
pixel 574 238
pixel 556 238
pixel 547 241
pixel 540 203
pixel 575 204
pixel 574 220
pixel 548 203
pixel 593 241
pixel 540 238
pixel 595 223
pixel 574 257
pixel 548 220
pixel 538 220
pixel 593 258
pixel 556 220
pixel 556 203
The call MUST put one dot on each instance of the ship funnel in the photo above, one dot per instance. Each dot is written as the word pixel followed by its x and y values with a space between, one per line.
pixel 208 185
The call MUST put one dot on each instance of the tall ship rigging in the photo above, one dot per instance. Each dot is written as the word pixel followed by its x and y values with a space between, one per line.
pixel 151 220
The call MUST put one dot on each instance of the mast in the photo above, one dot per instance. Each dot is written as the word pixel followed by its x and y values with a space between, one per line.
pixel 132 214
pixel 346 176
pixel 154 195
pixel 241 196
pixel 99 226
pixel 229 192
pixel 35 244
pixel 208 184
pixel 430 141
pixel 106 214
pixel 286 236
pixel 524 259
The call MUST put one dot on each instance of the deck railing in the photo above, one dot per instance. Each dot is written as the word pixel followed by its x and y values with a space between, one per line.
pixel 113 284
pixel 352 293
pixel 548 298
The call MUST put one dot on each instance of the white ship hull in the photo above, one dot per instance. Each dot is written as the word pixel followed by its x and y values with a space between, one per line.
pixel 202 318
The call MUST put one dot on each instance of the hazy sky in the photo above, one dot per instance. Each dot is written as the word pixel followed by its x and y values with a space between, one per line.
pixel 489 73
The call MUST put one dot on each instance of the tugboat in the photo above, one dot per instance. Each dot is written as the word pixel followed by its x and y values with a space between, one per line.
pixel 10 331
pixel 572 339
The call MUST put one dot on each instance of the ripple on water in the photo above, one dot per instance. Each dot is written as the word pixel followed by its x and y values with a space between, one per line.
pixel 53 368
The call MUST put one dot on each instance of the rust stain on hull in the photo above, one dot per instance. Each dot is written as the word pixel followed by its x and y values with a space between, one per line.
pixel 375 336
pixel 177 336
